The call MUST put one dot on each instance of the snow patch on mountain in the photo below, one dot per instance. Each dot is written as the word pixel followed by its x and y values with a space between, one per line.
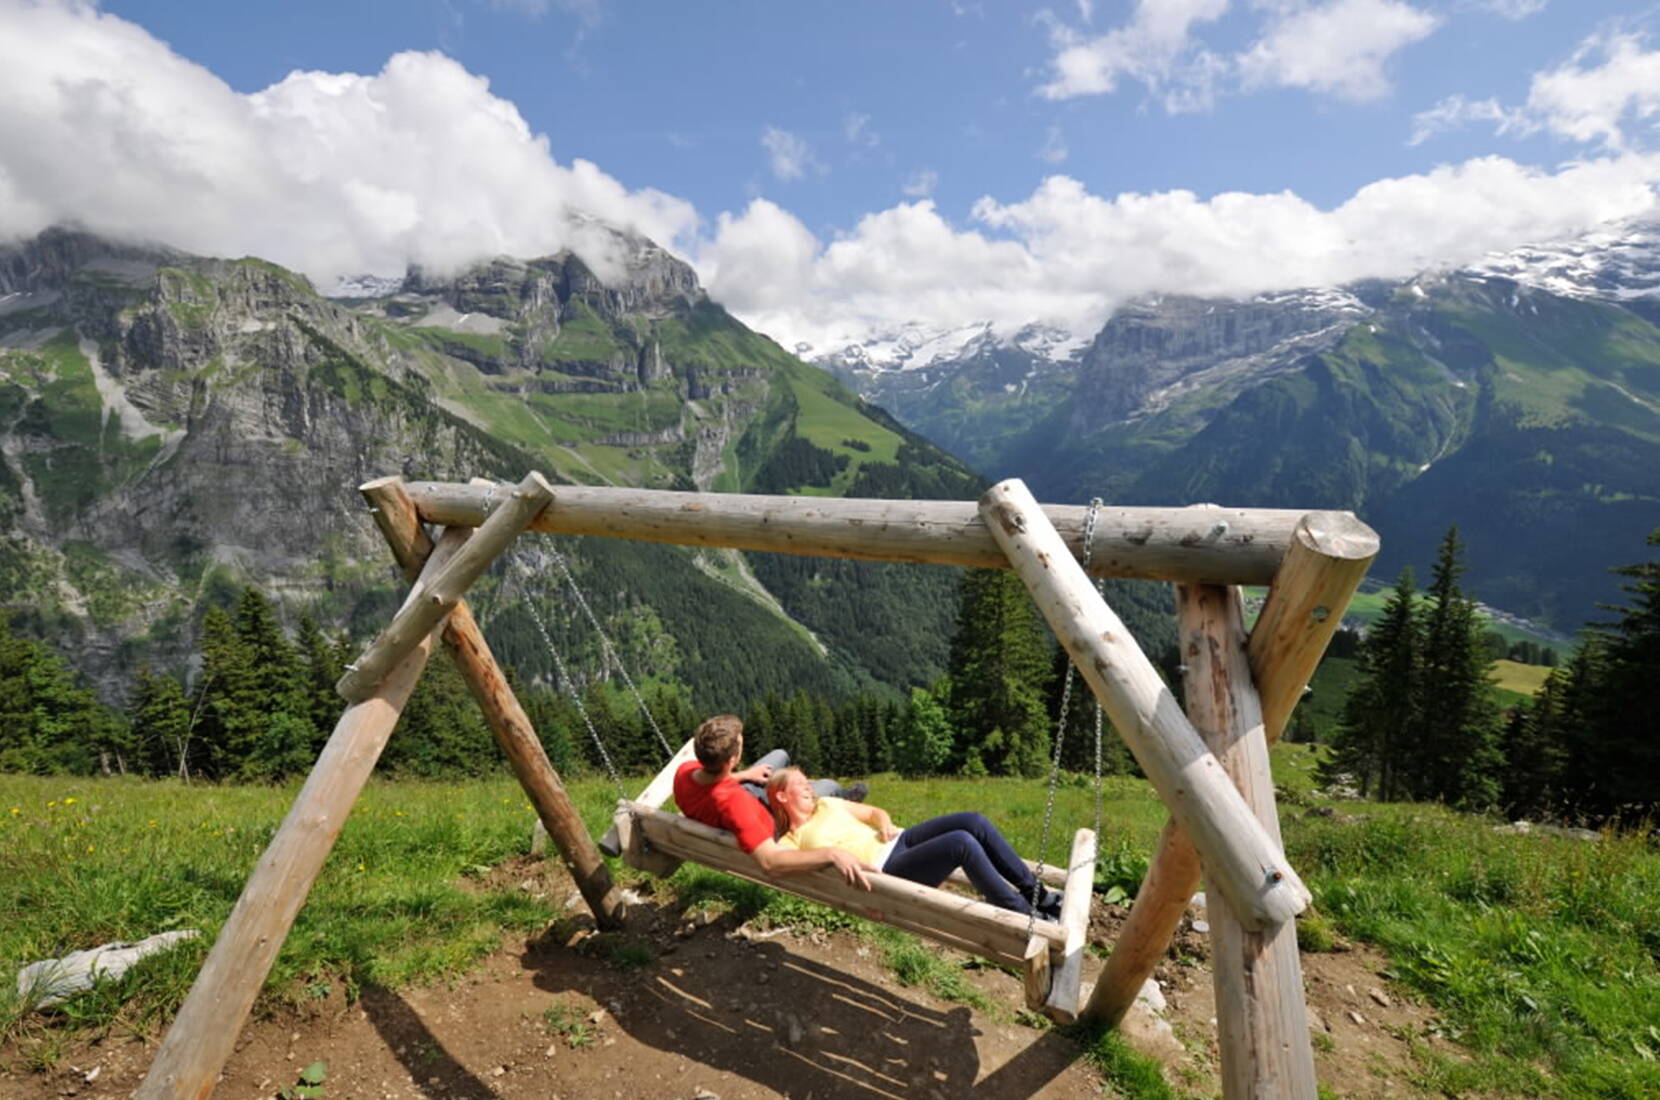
pixel 915 346
pixel 1619 262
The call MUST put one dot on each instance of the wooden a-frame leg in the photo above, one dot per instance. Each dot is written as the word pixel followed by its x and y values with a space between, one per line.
pixel 201 1037
pixel 396 517
pixel 1241 859
pixel 1328 558
pixel 1261 1014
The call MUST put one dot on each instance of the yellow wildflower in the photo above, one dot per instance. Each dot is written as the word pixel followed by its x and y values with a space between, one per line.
pixel 70 801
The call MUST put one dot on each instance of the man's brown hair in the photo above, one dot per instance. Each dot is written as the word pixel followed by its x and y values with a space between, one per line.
pixel 716 740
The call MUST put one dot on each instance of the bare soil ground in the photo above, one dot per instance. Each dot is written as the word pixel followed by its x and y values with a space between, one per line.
pixel 677 1008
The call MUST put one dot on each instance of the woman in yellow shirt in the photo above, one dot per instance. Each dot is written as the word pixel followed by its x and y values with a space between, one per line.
pixel 927 852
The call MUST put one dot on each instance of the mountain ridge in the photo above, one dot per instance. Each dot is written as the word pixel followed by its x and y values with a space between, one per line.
pixel 1391 398
pixel 172 427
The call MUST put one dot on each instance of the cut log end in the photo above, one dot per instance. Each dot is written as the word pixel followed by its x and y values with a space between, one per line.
pixel 1340 535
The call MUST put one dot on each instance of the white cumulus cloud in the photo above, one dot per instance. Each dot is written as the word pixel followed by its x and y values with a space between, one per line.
pixel 329 173
pixel 789 155
pixel 920 184
pixel 1607 93
pixel 1339 47
pixel 1156 47
pixel 1066 256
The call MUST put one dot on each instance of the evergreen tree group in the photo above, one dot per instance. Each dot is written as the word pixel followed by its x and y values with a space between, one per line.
pixel 1588 745
pixel 1423 722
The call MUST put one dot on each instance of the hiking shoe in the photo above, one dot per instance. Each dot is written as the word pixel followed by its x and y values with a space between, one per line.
pixel 857 792
pixel 1049 908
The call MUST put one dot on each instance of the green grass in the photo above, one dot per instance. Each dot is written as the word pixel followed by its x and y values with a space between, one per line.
pixel 1521 679
pixel 1536 953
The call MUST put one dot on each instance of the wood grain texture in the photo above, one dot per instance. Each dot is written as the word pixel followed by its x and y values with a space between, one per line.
pixel 1261 1014
pixel 1241 860
pixel 417 618
pixel 1200 542
pixel 191 1056
pixel 394 513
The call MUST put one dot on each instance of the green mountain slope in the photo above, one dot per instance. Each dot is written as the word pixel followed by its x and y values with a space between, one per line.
pixel 172 428
pixel 1529 419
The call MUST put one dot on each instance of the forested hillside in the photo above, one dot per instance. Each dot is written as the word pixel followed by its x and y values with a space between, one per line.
pixel 174 429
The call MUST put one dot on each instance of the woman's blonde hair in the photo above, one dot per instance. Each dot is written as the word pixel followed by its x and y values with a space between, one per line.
pixel 781 823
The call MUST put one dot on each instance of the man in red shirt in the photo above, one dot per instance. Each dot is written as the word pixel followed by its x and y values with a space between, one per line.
pixel 708 790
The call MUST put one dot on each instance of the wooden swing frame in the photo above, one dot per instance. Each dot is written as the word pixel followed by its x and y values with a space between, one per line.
pixel 1209 765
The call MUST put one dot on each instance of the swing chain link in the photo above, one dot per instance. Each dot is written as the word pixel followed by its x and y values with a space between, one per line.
pixel 1060 741
pixel 570 687
pixel 611 654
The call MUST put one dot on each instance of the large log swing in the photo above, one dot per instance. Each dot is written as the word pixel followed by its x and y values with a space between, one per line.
pixel 1209 764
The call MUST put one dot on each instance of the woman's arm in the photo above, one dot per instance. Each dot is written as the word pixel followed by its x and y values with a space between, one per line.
pixel 876 817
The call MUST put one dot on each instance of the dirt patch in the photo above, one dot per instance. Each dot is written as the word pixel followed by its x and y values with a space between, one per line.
pixel 683 1006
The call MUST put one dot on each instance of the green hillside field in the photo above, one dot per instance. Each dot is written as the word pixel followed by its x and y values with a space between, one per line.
pixel 1537 953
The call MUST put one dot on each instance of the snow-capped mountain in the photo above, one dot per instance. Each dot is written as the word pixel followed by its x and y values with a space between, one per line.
pixel 1619 262
pixel 917 346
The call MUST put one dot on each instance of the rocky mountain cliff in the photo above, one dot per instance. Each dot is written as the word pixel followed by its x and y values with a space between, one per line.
pixel 174 427
pixel 1519 400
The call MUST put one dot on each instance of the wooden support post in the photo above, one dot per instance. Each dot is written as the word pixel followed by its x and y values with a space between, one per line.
pixel 1244 863
pixel 201 1037
pixel 1201 542
pixel 1260 1011
pixel 416 620
pixel 1326 561
pixel 1171 879
pixel 394 514
pixel 1035 974
pixel 1062 1003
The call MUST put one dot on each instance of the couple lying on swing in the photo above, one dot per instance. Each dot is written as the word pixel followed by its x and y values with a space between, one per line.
pixel 793 824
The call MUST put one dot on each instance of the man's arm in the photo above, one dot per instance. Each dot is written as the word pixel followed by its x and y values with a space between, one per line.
pixel 775 860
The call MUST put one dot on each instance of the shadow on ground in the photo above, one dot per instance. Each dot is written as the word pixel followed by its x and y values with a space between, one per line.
pixel 754 1008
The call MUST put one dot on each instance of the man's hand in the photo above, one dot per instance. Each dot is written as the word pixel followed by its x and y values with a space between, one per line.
pixel 758 773
pixel 848 865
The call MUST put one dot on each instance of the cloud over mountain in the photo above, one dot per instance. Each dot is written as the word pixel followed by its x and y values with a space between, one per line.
pixel 334 173
pixel 107 127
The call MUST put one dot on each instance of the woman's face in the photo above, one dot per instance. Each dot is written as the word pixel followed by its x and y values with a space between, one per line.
pixel 797 798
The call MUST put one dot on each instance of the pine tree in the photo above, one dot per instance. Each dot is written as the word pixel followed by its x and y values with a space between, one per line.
pixel 441 731
pixel 159 714
pixel 1581 715
pixel 1628 724
pixel 1462 761
pixel 49 722
pixel 999 676
pixel 1533 752
pixel 922 744
pixel 1376 738
pixel 320 670
pixel 226 725
pixel 1078 748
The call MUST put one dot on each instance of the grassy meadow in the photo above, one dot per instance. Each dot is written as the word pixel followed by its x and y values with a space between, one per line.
pixel 1538 953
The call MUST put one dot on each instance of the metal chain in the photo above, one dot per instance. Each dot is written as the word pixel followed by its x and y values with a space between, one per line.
pixel 1060 741
pixel 570 688
pixel 611 652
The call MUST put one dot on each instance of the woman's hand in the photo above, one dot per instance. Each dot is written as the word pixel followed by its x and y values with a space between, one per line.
pixel 849 866
pixel 886 830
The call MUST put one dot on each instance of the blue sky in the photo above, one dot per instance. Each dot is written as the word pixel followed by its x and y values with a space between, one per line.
pixel 834 169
